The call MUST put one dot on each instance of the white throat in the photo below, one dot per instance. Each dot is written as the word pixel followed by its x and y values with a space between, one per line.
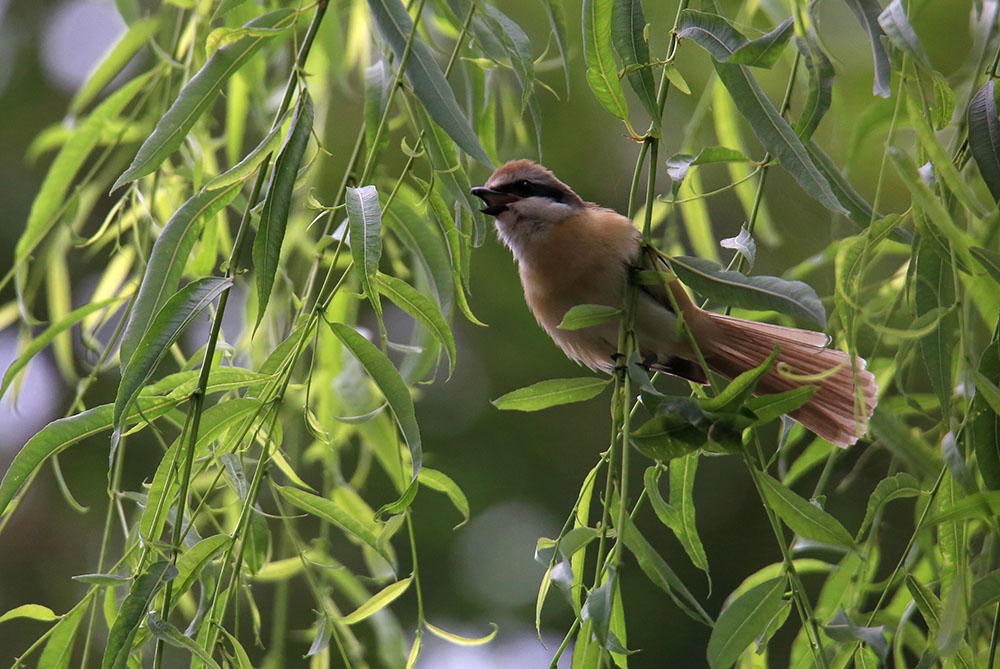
pixel 526 219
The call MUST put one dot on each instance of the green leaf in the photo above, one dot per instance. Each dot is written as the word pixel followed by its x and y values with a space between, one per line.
pixel 441 482
pixel 278 202
pixel 378 601
pixel 167 633
pixel 897 486
pixel 365 215
pixel 198 95
pixel 166 263
pixel 50 333
pixel 843 629
pixel 52 193
pixel 904 444
pixel 858 209
pixel 954 616
pixel 194 560
pixel 938 155
pixel 421 308
pixel 168 324
pixel 776 134
pixel 602 73
pixel 867 12
pixel 711 32
pixel 660 573
pixel 550 393
pixel 769 407
pixel 63 433
pixel 597 609
pixel 897 28
pixel 556 13
pixel 935 288
pixel 667 437
pixel 990 260
pixel 378 79
pixel 425 76
pixel 426 246
pixel 727 45
pixel 32 611
pixel 121 53
pixel 585 315
pixel 804 518
pixel 59 646
pixel 984 136
pixel 984 420
pixel 458 640
pixel 739 389
pixel 679 514
pixel 242 170
pixel 331 512
pixel 133 611
pixel 762 293
pixel 627 27
pixel 391 385
pixel 985 591
pixel 818 101
pixel 742 621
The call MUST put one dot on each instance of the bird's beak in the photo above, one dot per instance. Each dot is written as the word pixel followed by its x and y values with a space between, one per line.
pixel 496 201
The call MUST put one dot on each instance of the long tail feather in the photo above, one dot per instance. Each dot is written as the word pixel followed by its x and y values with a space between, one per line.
pixel 846 397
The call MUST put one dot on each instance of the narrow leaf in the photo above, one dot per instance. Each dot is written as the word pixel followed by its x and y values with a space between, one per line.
pixel 660 573
pixel 552 392
pixel 133 611
pixel 867 12
pixel 32 611
pixel 242 170
pixel 52 193
pixel 425 76
pixel 378 601
pixel 897 486
pixel 586 315
pixel 897 28
pixel 776 135
pixel 984 136
pixel 50 333
pixel 390 383
pixel 421 308
pixel 331 512
pixel 365 215
pixel 742 621
pixel 61 434
pixel 801 516
pixel 627 27
pixel 461 640
pixel 166 263
pixel 602 73
pixel 441 482
pixel 171 320
pixel 198 95
pixel 166 632
pixel 278 201
pixel 749 292
pixel 121 53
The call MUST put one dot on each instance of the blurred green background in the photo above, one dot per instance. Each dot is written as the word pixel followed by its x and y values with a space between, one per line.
pixel 520 471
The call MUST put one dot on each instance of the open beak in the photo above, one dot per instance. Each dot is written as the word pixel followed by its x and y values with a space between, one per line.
pixel 496 201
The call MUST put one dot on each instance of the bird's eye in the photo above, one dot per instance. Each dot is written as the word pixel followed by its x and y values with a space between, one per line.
pixel 524 183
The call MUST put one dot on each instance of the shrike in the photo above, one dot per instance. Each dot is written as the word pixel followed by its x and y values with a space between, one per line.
pixel 572 252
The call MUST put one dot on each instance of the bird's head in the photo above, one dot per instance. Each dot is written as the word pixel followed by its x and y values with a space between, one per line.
pixel 525 192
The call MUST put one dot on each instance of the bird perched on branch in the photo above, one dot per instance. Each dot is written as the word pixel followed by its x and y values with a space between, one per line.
pixel 572 252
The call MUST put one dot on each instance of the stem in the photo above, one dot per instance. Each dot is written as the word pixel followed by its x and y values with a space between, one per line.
pixel 198 399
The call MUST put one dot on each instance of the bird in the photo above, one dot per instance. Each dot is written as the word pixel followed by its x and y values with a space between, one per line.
pixel 571 252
